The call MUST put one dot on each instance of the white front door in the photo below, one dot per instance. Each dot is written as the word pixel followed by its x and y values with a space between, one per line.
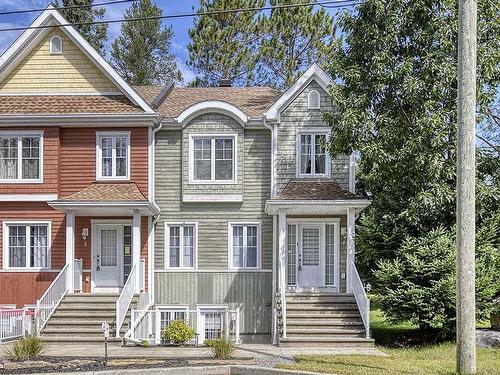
pixel 311 256
pixel 107 258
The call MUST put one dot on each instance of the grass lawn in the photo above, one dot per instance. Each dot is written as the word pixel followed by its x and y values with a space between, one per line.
pixel 436 359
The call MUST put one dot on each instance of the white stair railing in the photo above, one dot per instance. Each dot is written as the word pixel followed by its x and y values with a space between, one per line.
pixel 361 297
pixel 78 271
pixel 52 297
pixel 133 285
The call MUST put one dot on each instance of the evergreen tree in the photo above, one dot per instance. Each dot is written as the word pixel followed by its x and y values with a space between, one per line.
pixel 95 34
pixel 295 38
pixel 142 53
pixel 396 100
pixel 225 46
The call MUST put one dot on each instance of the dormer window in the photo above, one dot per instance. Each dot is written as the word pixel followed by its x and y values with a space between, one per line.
pixel 313 100
pixel 56 45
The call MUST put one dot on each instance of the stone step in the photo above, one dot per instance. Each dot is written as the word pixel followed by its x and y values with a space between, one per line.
pixel 328 342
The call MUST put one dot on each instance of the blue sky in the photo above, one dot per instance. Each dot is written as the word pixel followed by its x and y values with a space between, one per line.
pixel 115 11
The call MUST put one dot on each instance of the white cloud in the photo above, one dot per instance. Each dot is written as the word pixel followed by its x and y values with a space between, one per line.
pixel 187 73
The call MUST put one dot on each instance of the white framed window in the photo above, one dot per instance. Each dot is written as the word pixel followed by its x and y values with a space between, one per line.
pixel 113 155
pixel 56 45
pixel 244 245
pixel 213 158
pixel 21 157
pixel 167 314
pixel 212 322
pixel 181 245
pixel 313 100
pixel 26 245
pixel 313 159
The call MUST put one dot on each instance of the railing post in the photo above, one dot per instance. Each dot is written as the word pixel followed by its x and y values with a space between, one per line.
pixel 282 264
pixel 70 249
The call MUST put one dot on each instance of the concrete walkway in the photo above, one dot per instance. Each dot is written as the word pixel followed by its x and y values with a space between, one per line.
pixel 243 351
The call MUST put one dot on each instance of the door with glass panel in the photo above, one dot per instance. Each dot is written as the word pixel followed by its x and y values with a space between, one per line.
pixel 108 258
pixel 310 257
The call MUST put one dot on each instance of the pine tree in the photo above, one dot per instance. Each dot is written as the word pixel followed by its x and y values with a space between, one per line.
pixel 142 53
pixel 225 46
pixel 95 34
pixel 295 39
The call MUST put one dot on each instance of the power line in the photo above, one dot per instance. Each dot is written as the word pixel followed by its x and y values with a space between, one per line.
pixel 335 4
pixel 20 11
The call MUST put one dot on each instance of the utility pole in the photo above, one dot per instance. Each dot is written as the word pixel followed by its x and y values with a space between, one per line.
pixel 466 179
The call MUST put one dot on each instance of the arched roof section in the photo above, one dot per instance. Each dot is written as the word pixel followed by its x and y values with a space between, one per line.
pixel 212 106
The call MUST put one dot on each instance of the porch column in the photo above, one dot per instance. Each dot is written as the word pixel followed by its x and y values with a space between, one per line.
pixel 70 249
pixel 350 246
pixel 274 327
pixel 282 263
pixel 136 242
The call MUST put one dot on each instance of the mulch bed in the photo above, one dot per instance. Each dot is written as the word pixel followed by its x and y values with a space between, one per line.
pixel 72 364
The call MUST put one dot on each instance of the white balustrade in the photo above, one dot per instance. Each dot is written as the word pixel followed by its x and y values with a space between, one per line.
pixel 361 297
pixel 78 272
pixel 12 323
pixel 46 305
pixel 133 285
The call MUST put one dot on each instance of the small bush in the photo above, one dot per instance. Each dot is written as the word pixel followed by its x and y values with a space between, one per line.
pixel 28 348
pixel 145 344
pixel 178 332
pixel 221 348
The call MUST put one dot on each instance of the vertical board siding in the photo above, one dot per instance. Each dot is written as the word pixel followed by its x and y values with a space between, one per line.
pixel 78 158
pixel 250 291
pixel 72 71
pixel 297 117
pixel 50 165
pixel 213 123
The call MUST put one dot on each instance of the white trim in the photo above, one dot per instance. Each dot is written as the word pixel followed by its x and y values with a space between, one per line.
pixel 29 37
pixel 20 134
pixel 36 93
pixel 309 105
pixel 313 132
pixel 113 135
pixel 212 197
pixel 314 72
pixel 244 224
pixel 212 106
pixel 213 137
pixel 166 241
pixel 254 270
pixel 27 197
pixel 51 49
pixel 5 244
pixel 352 173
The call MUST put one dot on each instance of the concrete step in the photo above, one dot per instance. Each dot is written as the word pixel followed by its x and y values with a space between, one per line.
pixel 322 314
pixel 325 332
pixel 76 330
pixel 321 294
pixel 328 342
pixel 316 323
pixel 81 339
pixel 321 307
pixel 320 300
pixel 85 307
pixel 78 323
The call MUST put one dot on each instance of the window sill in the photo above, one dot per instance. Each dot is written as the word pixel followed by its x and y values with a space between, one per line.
pixel 21 181
pixel 28 270
pixel 111 179
pixel 228 198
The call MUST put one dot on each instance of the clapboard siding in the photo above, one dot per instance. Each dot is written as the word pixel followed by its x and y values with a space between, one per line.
pixel 50 165
pixel 213 217
pixel 78 158
pixel 297 117
pixel 213 123
pixel 72 71
pixel 250 291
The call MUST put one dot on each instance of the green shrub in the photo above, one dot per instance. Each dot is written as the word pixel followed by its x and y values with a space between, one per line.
pixel 419 285
pixel 27 348
pixel 178 332
pixel 145 344
pixel 221 348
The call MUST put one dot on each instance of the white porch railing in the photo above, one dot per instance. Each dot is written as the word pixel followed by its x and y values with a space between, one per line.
pixel 46 305
pixel 78 272
pixel 146 326
pixel 12 324
pixel 133 285
pixel 361 297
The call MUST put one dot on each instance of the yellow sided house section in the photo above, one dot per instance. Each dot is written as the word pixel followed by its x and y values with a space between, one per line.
pixel 49 70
